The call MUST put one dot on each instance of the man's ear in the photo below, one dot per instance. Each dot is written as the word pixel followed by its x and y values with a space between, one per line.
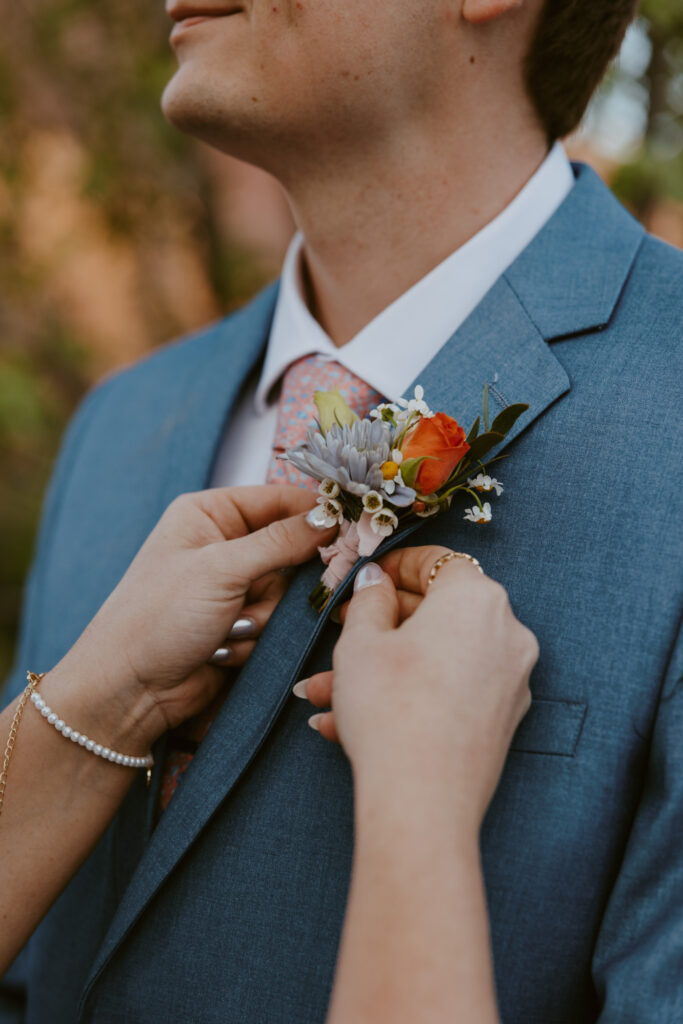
pixel 479 11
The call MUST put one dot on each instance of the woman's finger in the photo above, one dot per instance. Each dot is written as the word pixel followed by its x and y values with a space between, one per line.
pixel 407 604
pixel 409 568
pixel 270 587
pixel 253 619
pixel 325 725
pixel 233 654
pixel 281 543
pixel 238 511
pixel 241 639
pixel 244 628
pixel 317 689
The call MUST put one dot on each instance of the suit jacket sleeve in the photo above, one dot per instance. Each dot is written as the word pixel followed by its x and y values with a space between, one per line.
pixel 12 986
pixel 638 958
pixel 31 606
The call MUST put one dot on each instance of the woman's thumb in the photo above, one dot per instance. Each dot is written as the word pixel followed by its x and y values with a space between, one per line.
pixel 374 604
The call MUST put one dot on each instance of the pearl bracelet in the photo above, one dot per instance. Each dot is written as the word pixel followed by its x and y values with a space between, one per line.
pixel 78 737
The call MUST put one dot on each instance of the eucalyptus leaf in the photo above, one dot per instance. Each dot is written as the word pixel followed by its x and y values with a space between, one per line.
pixel 505 420
pixel 474 430
pixel 483 444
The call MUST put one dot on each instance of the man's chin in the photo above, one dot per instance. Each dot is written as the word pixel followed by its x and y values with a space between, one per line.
pixel 209 117
pixel 183 105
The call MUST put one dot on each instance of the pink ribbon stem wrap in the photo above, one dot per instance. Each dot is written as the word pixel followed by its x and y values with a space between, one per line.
pixel 354 541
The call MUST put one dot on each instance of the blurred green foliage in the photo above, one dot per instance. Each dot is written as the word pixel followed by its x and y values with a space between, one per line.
pixel 91 72
pixel 656 171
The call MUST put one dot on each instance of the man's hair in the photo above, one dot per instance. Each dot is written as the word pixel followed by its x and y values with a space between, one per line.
pixel 573 43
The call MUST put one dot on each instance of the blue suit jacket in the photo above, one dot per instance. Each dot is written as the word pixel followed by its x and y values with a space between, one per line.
pixel 230 908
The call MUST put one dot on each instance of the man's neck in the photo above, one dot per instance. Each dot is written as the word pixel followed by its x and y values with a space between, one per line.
pixel 374 229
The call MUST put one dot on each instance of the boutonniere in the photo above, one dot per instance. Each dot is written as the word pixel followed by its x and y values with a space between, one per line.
pixel 381 473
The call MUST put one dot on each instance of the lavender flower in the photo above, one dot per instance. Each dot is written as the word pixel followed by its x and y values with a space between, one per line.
pixel 352 455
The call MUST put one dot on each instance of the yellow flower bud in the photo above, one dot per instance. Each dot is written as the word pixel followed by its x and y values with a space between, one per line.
pixel 389 469
pixel 333 409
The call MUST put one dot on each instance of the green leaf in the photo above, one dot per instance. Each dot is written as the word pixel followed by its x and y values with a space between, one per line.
pixel 319 596
pixel 474 430
pixel 332 408
pixel 483 444
pixel 505 420
pixel 411 467
pixel 486 407
pixel 498 458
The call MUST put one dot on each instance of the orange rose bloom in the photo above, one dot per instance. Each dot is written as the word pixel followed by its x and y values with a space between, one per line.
pixel 443 438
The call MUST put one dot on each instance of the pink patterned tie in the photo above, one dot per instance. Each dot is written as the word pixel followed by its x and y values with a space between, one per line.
pixel 297 409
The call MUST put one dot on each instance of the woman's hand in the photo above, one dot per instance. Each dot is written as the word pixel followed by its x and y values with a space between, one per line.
pixel 439 695
pixel 138 669
pixel 211 558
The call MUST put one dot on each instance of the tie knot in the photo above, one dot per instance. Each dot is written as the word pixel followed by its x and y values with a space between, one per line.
pixel 297 408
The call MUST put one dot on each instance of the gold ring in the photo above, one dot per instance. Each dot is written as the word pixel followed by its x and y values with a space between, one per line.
pixel 433 572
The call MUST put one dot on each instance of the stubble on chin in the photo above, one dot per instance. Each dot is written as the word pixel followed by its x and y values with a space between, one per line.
pixel 193 104
pixel 184 104
pixel 197 106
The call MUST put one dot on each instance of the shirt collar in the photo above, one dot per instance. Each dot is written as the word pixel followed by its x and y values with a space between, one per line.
pixel 392 350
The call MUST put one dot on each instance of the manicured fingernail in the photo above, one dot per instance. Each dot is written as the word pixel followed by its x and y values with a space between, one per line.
pixel 242 628
pixel 300 689
pixel 369 576
pixel 318 518
pixel 222 656
pixel 313 722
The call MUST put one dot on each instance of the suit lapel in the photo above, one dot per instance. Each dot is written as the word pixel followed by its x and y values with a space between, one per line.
pixel 503 342
pixel 221 362
pixel 194 391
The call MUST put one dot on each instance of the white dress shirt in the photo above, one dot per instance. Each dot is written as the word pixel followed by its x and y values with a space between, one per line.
pixel 391 351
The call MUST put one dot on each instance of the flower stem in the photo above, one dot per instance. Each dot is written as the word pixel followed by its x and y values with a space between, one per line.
pixel 319 597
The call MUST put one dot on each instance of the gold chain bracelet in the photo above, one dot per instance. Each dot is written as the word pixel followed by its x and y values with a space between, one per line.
pixel 33 681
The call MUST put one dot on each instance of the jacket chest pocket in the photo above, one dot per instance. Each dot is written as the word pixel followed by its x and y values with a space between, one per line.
pixel 550 727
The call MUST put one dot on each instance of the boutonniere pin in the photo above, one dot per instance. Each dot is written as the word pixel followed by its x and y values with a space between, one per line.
pixel 381 473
